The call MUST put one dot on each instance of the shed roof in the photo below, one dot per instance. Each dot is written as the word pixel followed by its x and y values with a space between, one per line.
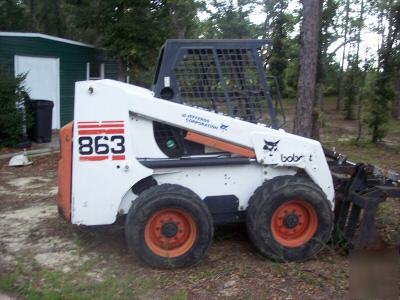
pixel 44 36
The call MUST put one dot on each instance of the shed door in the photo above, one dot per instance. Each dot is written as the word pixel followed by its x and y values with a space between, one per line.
pixel 42 81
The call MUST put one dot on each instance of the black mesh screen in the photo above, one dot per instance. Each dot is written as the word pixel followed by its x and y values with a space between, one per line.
pixel 223 80
pixel 220 80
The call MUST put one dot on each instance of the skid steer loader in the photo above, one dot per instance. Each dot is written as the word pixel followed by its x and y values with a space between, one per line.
pixel 202 148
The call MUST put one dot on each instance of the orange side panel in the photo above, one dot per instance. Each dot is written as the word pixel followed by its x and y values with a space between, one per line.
pixel 65 172
pixel 218 144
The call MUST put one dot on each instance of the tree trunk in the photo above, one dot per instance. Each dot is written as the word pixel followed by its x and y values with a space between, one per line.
pixel 340 95
pixel 308 67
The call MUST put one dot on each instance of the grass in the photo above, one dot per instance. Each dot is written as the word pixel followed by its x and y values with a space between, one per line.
pixel 147 283
pixel 393 127
pixel 364 151
pixel 8 282
pixel 31 281
pixel 179 295
pixel 389 222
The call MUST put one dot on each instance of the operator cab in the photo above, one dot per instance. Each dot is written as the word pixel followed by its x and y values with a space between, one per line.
pixel 226 76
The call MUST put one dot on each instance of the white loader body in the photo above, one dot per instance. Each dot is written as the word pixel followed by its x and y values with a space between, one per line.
pixel 113 135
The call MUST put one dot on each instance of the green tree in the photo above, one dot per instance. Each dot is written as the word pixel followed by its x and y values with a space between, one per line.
pixel 384 91
pixel 387 69
pixel 366 90
pixel 345 27
pixel 396 101
pixel 183 16
pixel 229 20
pixel 13 101
pixel 14 16
pixel 292 70
pixel 354 73
pixel 395 59
pixel 277 27
pixel 48 16
pixel 132 31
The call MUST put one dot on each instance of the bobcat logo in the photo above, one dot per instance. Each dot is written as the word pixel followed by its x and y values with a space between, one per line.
pixel 224 127
pixel 291 158
pixel 271 146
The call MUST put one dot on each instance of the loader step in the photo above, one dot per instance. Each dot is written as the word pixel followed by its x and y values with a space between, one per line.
pixel 194 162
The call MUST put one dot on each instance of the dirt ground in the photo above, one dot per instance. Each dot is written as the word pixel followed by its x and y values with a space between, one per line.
pixel 42 256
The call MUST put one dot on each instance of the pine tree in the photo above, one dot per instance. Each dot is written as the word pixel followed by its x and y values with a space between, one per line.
pixel 14 16
pixel 133 31
pixel 183 16
pixel 387 69
pixel 340 95
pixel 229 20
pixel 353 83
pixel 308 67
pixel 277 27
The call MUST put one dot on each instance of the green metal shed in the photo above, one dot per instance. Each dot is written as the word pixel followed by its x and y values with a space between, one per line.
pixel 53 65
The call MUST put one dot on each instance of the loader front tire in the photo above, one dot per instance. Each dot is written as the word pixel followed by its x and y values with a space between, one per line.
pixel 289 219
pixel 169 226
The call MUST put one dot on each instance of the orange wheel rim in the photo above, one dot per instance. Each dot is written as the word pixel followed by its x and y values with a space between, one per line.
pixel 170 232
pixel 294 223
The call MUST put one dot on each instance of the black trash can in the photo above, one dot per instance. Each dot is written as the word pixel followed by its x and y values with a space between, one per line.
pixel 42 116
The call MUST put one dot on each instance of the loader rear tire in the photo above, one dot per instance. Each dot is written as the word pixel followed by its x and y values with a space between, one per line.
pixel 289 219
pixel 169 226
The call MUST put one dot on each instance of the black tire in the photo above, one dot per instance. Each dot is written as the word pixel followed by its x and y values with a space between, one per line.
pixel 263 213
pixel 151 208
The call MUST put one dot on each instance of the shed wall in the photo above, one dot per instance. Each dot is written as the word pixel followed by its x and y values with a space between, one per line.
pixel 73 60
